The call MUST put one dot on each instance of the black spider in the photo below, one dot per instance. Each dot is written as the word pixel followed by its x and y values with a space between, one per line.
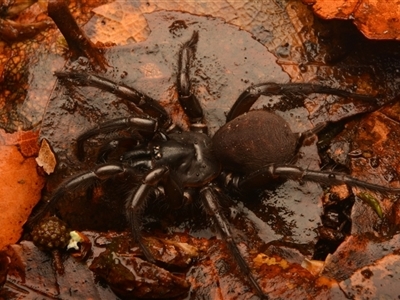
pixel 250 150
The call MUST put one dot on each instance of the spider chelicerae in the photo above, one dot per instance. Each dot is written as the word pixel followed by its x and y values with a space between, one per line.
pixel 253 148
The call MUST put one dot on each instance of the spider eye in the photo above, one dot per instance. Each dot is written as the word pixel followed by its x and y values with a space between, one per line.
pixel 156 152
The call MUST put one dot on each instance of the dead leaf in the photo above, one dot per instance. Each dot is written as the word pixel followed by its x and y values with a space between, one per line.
pixel 21 183
pixel 357 252
pixel 375 280
pixel 375 19
pixel 374 143
pixel 46 158
pixel 31 276
pixel 284 43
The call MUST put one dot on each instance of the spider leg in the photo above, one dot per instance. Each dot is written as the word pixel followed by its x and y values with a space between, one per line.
pixel 187 99
pixel 112 145
pixel 143 102
pixel 259 178
pixel 311 132
pixel 140 124
pixel 137 201
pixel 209 197
pixel 140 157
pixel 80 181
pixel 303 136
pixel 251 94
pixel 137 154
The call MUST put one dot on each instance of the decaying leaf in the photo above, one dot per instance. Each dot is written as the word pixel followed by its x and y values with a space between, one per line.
pixel 375 280
pixel 31 276
pixel 137 278
pixel 46 158
pixel 21 183
pixel 373 146
pixel 215 274
pixel 375 19
pixel 24 25
pixel 357 252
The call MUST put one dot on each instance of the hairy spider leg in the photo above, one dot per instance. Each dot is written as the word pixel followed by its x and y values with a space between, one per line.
pixel 246 99
pixel 146 106
pixel 121 143
pixel 209 197
pixel 187 99
pixel 161 175
pixel 137 201
pixel 140 124
pixel 303 136
pixel 259 178
pixel 140 157
pixel 81 181
pixel 136 153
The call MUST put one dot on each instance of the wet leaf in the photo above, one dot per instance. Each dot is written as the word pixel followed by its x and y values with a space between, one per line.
pixel 27 66
pixel 374 144
pixel 31 275
pixel 288 214
pixel 375 19
pixel 375 280
pixel 358 252
pixel 129 275
pixel 21 20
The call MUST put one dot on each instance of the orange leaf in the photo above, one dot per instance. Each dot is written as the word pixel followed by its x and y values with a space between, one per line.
pixel 21 183
pixel 375 19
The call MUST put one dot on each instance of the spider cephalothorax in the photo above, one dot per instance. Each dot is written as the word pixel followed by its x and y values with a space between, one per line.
pixel 250 150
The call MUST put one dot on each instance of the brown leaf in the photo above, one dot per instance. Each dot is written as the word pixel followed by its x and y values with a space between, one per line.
pixel 31 276
pixel 375 280
pixel 375 138
pixel 21 183
pixel 357 252
pixel 375 19
pixel 220 281
pixel 46 158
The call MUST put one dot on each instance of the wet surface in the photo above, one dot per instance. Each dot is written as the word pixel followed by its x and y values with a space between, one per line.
pixel 210 273
pixel 357 252
pixel 218 78
pixel 27 65
pixel 373 147
pixel 282 222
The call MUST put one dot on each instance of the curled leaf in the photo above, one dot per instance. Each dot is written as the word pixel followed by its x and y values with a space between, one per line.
pixel 46 158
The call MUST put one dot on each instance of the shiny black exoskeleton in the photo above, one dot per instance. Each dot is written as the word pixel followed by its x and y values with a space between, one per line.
pixel 252 148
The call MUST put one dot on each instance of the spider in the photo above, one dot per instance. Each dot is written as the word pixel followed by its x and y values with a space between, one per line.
pixel 252 149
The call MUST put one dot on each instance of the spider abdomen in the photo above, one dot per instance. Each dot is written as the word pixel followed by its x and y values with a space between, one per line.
pixel 253 140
